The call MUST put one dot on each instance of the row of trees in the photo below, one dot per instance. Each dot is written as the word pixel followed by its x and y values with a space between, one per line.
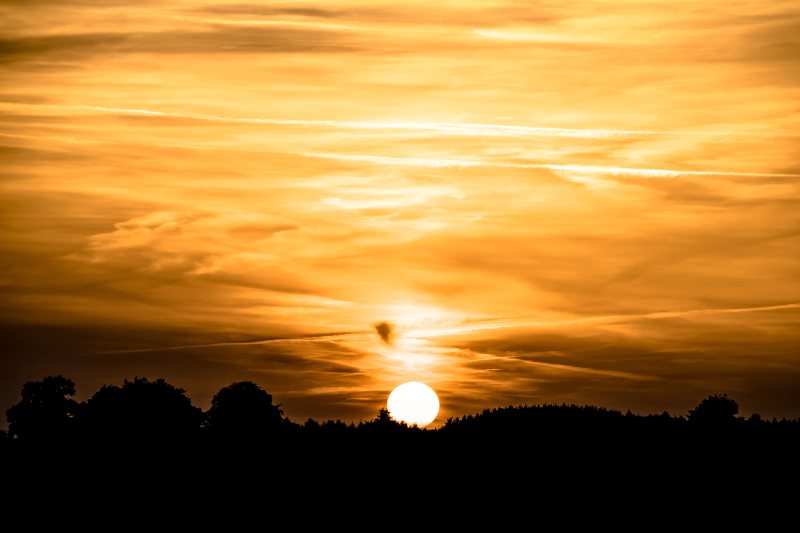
pixel 716 413
pixel 141 410
pixel 156 411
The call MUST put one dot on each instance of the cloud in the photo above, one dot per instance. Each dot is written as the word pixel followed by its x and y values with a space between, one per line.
pixel 388 17
pixel 223 40
pixel 269 11
pixel 591 169
pixel 186 242
pixel 385 331
pixel 65 47
pixel 439 128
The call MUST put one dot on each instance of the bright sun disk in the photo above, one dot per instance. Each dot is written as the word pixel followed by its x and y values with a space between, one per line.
pixel 413 403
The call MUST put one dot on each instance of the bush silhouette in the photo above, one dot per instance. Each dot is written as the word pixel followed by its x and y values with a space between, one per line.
pixel 716 410
pixel 46 411
pixel 243 410
pixel 140 410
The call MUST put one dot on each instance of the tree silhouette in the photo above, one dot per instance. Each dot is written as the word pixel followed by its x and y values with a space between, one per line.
pixel 141 410
pixel 716 410
pixel 312 426
pixel 383 423
pixel 243 410
pixel 335 427
pixel 46 411
pixel 384 417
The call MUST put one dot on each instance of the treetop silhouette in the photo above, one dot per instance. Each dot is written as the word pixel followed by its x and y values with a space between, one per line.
pixel 716 410
pixel 46 410
pixel 243 410
pixel 140 410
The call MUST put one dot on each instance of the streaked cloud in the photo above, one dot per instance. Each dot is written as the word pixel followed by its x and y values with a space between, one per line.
pixel 467 129
pixel 592 169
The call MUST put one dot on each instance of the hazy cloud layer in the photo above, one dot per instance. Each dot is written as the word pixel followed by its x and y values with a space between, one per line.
pixel 589 202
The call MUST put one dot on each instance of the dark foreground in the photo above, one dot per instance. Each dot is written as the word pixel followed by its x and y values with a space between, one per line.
pixel 585 473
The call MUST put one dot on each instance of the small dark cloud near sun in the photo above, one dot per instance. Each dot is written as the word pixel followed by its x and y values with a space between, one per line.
pixel 385 331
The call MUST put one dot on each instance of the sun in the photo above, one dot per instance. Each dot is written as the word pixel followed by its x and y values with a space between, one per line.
pixel 413 403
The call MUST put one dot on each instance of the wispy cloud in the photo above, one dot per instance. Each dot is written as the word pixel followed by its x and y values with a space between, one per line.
pixel 274 22
pixel 309 339
pixel 593 169
pixel 601 319
pixel 443 128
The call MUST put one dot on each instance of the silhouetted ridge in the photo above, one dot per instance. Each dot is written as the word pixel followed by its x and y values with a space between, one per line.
pixel 521 418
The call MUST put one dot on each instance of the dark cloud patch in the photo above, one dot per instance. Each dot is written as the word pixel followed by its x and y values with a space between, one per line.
pixel 63 47
pixel 385 331
pixel 778 40
pixel 85 3
pixel 16 154
pixel 434 14
pixel 269 11
pixel 683 191
pixel 224 39
pixel 19 98
pixel 769 45
pixel 27 119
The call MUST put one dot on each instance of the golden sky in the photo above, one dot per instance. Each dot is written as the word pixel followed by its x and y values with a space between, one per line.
pixel 590 201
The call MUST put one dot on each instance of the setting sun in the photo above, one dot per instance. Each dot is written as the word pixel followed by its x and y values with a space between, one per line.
pixel 413 403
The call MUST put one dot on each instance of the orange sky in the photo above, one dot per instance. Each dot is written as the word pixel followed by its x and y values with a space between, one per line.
pixel 592 201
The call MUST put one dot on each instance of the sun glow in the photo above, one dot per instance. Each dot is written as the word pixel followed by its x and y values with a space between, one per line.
pixel 413 403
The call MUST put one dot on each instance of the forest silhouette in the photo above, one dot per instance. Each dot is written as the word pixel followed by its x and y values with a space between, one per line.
pixel 153 414
pixel 144 442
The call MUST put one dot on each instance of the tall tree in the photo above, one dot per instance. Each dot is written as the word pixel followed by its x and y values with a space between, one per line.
pixel 141 410
pixel 715 410
pixel 45 412
pixel 243 410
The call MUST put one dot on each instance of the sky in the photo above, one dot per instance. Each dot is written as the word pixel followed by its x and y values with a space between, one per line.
pixel 511 201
